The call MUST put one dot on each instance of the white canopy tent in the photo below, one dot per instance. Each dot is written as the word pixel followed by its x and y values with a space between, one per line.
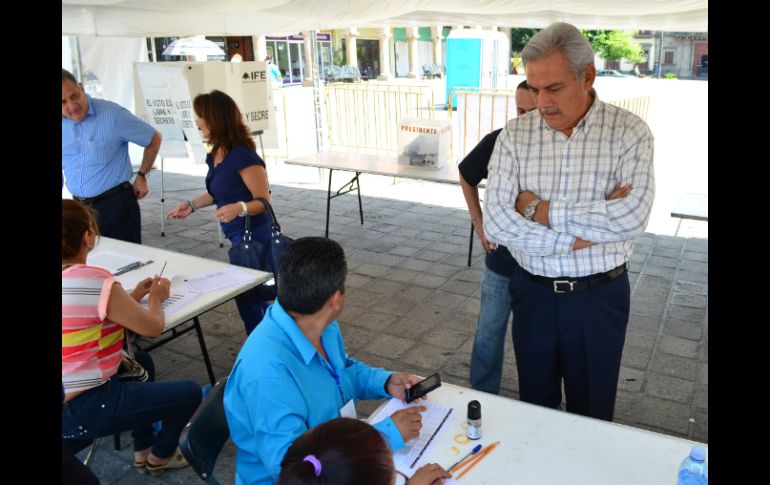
pixel 156 18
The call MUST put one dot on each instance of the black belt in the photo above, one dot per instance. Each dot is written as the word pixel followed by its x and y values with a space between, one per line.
pixel 563 284
pixel 109 193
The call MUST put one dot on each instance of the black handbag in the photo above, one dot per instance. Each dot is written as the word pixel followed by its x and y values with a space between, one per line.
pixel 263 256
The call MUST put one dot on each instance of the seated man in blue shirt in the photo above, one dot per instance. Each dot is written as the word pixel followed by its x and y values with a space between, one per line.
pixel 293 372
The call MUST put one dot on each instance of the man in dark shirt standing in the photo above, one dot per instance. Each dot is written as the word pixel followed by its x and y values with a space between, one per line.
pixel 487 355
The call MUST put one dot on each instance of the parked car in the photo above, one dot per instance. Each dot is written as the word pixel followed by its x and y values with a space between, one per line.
pixel 611 73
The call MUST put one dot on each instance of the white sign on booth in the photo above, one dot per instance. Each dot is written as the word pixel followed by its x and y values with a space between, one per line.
pixel 177 83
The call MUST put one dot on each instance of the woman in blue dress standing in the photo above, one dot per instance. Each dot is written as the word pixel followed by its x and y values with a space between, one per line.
pixel 236 176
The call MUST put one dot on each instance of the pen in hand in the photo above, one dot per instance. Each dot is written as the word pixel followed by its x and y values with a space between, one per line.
pixel 162 269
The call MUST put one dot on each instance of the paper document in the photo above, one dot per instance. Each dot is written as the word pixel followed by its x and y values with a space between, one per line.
pixel 179 298
pixel 409 459
pixel 216 280
pixel 111 260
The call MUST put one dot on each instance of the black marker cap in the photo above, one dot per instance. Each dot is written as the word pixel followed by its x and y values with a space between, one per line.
pixel 474 410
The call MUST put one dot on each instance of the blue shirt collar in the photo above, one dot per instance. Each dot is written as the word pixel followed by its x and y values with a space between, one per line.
pixel 286 323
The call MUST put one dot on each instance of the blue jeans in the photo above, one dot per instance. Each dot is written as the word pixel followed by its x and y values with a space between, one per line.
pixel 487 355
pixel 120 406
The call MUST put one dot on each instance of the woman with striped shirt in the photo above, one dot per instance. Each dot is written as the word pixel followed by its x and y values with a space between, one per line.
pixel 96 311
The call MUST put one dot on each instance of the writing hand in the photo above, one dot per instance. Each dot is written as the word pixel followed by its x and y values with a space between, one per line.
pixel 409 421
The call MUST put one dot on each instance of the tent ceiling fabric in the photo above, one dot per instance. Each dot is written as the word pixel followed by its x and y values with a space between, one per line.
pixel 151 18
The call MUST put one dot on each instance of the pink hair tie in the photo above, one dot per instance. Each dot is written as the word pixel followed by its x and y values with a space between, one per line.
pixel 315 462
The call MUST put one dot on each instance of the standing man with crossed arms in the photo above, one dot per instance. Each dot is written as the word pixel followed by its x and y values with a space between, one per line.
pixel 495 309
pixel 550 178
pixel 95 135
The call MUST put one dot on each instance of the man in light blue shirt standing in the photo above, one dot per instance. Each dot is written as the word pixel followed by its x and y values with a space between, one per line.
pixel 293 372
pixel 95 135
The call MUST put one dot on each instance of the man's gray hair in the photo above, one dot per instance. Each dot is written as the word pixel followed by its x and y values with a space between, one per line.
pixel 564 38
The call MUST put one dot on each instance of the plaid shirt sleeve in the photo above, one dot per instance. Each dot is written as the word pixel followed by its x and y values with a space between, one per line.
pixel 502 223
pixel 602 221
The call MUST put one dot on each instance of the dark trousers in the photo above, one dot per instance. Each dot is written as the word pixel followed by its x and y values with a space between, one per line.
pixel 577 337
pixel 120 406
pixel 119 216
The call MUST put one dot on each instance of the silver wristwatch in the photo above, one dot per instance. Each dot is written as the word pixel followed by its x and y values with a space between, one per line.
pixel 245 209
pixel 529 211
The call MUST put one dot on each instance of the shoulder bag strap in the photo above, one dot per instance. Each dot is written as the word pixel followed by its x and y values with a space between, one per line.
pixel 269 210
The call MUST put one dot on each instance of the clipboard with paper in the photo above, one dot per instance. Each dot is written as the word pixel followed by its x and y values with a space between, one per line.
pixel 409 459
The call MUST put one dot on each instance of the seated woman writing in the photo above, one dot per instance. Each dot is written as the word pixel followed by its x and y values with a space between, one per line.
pixel 96 312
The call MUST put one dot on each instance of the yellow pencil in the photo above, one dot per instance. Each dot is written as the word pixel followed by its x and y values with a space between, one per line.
pixel 469 460
pixel 480 456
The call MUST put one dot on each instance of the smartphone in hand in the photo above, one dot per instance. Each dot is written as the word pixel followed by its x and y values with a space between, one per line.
pixel 423 387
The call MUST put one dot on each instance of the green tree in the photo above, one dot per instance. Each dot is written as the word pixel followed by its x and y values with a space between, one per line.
pixel 614 45
pixel 519 39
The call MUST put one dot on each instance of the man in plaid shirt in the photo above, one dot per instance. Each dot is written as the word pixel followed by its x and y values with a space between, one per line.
pixel 550 176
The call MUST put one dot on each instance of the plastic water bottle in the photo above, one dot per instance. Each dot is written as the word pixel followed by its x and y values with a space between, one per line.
pixel 694 469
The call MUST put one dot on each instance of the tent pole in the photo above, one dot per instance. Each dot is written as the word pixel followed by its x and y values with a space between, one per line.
pixel 154 51
pixel 78 64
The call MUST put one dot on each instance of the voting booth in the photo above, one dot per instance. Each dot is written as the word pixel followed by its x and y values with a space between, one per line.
pixel 165 90
pixel 163 97
pixel 423 142
pixel 476 58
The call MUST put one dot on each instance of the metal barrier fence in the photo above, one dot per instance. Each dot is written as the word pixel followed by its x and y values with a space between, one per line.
pixel 480 111
pixel 638 106
pixel 365 117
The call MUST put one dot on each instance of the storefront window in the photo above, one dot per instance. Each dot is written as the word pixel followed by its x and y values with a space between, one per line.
pixel 282 59
pixel 296 72
pixel 289 55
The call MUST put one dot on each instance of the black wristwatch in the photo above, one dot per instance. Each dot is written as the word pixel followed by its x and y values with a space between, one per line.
pixel 141 174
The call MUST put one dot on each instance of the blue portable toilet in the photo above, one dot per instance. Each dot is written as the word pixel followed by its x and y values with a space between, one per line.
pixel 476 58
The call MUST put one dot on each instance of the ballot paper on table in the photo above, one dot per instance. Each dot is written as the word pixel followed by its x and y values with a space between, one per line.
pixel 409 459
pixel 216 280
pixel 179 297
